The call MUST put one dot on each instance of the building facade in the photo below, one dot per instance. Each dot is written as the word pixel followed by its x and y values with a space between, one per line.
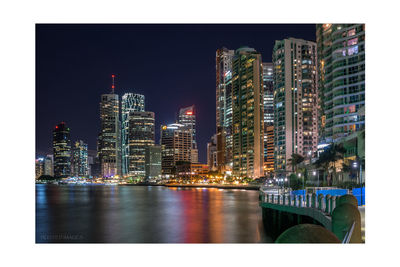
pixel 130 102
pixel 39 167
pixel 189 171
pixel 341 54
pixel 79 159
pixel 248 113
pixel 187 117
pixel 109 137
pixel 140 136
pixel 176 146
pixel 62 151
pixel 223 60
pixel 153 162
pixel 269 166
pixel 212 153
pixel 48 165
pixel 268 87
pixel 295 100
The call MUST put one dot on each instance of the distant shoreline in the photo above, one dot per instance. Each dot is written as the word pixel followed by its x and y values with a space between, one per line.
pixel 246 187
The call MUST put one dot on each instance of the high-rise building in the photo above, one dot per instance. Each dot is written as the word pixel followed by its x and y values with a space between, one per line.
pixel 187 117
pixel 295 100
pixel 176 145
pixel 268 87
pixel 79 159
pixel 109 142
pixel 39 167
pixel 61 151
pixel 248 114
pixel 140 135
pixel 48 165
pixel 95 168
pixel 130 102
pixel 153 162
pixel 341 62
pixel 269 159
pixel 223 60
pixel 212 153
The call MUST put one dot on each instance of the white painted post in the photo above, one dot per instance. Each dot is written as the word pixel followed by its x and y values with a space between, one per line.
pixel 328 204
pixel 301 201
pixel 333 204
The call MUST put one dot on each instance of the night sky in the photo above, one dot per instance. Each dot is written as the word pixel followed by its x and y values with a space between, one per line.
pixel 172 65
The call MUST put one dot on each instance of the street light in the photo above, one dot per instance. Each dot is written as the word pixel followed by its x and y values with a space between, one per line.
pixel 355 165
pixel 314 173
pixel 303 179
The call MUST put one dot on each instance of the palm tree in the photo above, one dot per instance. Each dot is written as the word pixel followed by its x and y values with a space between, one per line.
pixel 327 160
pixel 295 161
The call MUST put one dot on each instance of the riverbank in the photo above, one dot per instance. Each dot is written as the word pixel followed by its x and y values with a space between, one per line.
pixel 220 186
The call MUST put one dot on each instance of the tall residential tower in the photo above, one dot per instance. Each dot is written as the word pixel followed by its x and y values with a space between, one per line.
pixel 295 100
pixel 268 88
pixel 223 60
pixel 248 113
pixel 341 54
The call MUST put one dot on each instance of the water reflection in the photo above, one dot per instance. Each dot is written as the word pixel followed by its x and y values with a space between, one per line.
pixel 137 214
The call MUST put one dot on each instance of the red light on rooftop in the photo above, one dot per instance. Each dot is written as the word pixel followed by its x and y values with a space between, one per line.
pixel 113 76
pixel 189 113
pixel 56 126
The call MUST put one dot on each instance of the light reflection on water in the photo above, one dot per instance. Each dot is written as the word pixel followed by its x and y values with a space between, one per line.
pixel 139 214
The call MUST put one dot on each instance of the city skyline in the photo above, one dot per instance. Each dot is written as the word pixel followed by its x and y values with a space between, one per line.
pixel 96 81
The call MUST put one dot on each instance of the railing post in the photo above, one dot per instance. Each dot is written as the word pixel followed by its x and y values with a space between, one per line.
pixel 301 201
pixel 308 200
pixel 333 204
pixel 328 203
pixel 321 202
pixel 279 199
pixel 314 200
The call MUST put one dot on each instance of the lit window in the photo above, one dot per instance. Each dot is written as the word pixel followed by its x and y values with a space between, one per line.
pixel 353 50
pixel 351 32
pixel 353 41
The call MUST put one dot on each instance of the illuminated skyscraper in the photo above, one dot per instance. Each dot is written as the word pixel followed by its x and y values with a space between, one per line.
pixel 140 136
pixel 176 145
pixel 61 151
pixel 187 117
pixel 223 60
pixel 295 100
pixel 39 167
pixel 48 165
pixel 268 87
pixel 79 159
pixel 153 162
pixel 130 102
pixel 341 58
pixel 248 114
pixel 109 137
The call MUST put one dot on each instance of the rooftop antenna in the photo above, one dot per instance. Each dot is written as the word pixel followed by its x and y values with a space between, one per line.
pixel 112 86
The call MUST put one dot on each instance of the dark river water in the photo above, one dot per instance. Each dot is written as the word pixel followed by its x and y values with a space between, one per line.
pixel 147 214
